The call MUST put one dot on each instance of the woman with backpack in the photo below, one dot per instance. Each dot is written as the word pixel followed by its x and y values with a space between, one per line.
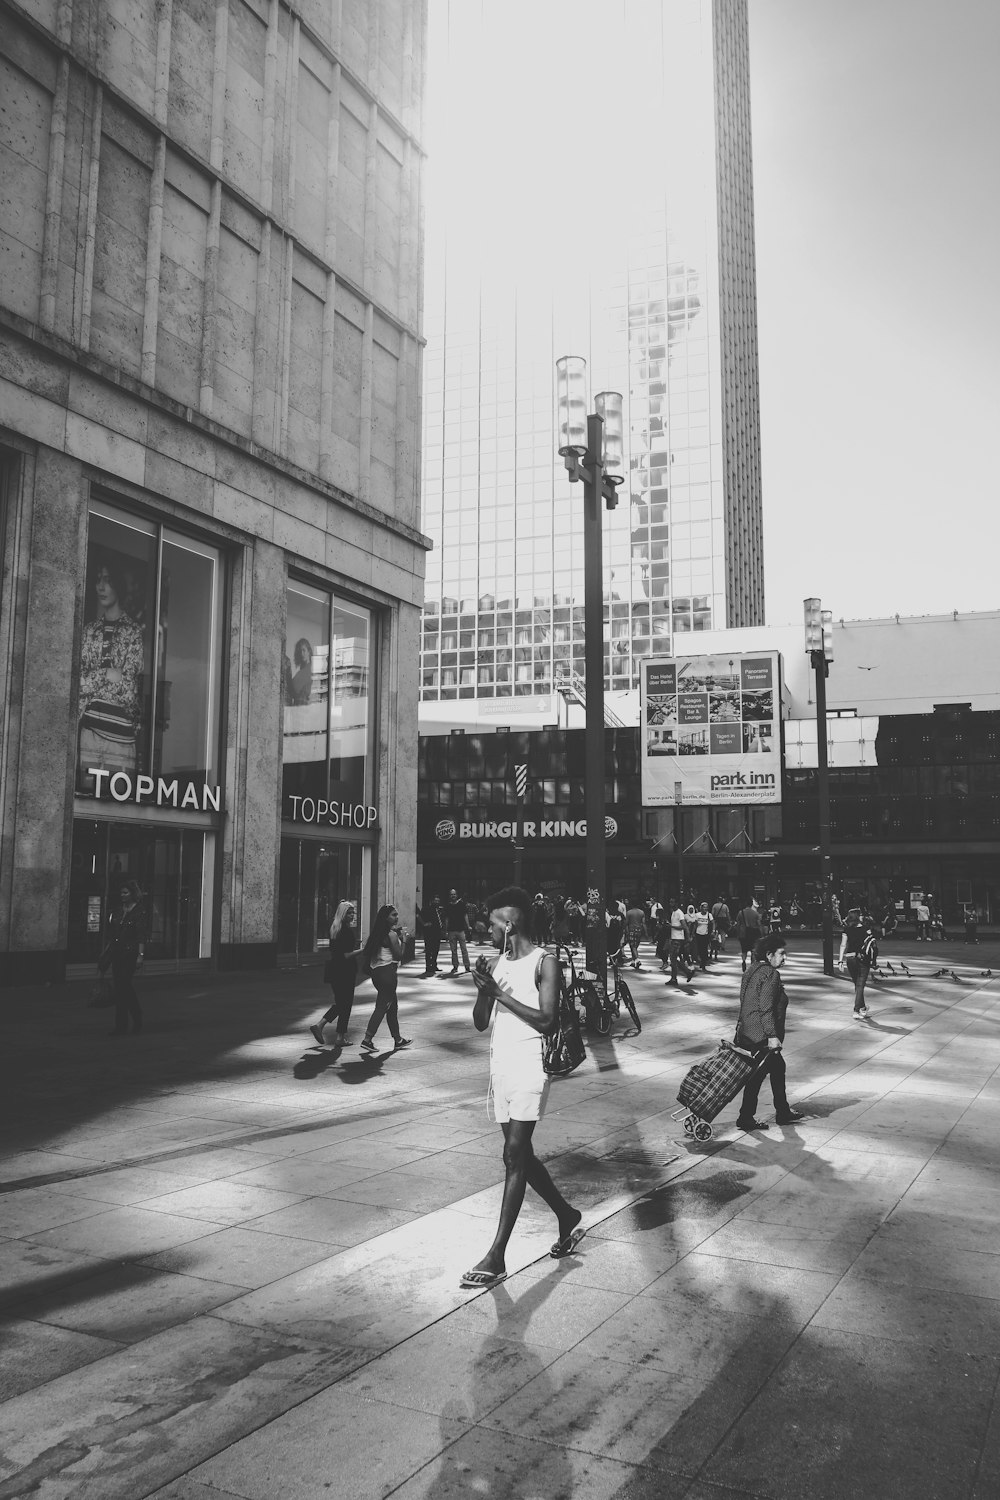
pixel 859 953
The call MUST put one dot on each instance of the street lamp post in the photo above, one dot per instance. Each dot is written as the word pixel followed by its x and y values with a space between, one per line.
pixel 592 448
pixel 819 646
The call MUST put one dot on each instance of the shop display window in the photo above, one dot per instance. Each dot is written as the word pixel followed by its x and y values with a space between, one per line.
pixel 150 660
pixel 328 698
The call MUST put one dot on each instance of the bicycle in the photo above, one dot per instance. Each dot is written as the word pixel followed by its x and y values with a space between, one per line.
pixel 622 995
pixel 585 991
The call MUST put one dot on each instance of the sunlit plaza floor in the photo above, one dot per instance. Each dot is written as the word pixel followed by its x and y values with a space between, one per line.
pixel 230 1259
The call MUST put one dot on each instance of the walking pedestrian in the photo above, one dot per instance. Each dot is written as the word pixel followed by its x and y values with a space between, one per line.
pixel 761 1030
pixel 858 953
pixel 922 913
pixel 703 935
pixel 971 917
pixel 635 925
pixel 748 930
pixel 382 954
pixel 123 952
pixel 678 943
pixel 433 920
pixel 342 973
pixel 457 926
pixel 723 922
pixel 521 993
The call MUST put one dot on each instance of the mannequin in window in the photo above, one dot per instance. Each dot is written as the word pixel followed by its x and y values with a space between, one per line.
pixel 111 662
pixel 302 677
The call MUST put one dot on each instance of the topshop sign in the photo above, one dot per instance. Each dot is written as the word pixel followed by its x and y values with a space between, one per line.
pixel 332 814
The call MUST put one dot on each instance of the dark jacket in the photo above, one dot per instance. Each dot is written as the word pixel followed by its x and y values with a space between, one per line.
pixel 763 1003
pixel 126 935
pixel 343 963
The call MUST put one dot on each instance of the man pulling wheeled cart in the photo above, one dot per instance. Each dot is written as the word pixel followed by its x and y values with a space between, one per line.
pixel 754 1054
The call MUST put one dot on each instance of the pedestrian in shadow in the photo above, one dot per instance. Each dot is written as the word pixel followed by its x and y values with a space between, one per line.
pixel 123 952
pixel 433 923
pixel 341 973
pixel 761 1030
pixel 381 956
pixel 522 995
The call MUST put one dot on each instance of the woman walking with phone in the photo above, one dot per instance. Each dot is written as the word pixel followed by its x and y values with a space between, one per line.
pixel 382 955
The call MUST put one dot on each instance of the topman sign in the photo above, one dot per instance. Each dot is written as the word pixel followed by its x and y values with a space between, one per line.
pixel 155 791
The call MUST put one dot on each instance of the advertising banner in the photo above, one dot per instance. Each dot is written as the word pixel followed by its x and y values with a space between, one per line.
pixel 711 730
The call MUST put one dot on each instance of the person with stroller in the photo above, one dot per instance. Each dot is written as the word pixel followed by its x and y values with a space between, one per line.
pixel 761 1030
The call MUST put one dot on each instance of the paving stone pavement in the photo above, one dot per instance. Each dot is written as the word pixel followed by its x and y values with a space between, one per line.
pixel 229 1259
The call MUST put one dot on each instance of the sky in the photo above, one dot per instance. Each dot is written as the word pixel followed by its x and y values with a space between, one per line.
pixel 876 126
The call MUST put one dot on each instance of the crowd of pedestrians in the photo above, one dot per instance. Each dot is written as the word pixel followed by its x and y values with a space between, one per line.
pixel 518 997
pixel 688 936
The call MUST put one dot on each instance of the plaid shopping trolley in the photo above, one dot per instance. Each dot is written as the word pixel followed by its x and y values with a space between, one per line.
pixel 709 1085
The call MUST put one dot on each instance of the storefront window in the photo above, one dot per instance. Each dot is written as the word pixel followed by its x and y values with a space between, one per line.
pixel 306 691
pixel 173 868
pixel 187 719
pixel 350 703
pixel 151 635
pixel 327 676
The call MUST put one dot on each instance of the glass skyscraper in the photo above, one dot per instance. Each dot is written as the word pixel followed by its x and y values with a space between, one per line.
pixel 629 239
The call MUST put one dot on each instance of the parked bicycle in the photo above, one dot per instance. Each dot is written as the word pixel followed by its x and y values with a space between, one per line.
pixel 586 993
pixel 621 994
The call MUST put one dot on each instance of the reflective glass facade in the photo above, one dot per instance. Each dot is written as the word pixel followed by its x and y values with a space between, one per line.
pixel 664 309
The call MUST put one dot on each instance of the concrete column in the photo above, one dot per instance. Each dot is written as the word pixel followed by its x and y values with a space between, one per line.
pixel 329 306
pixel 154 241
pixel 85 262
pixel 219 83
pixel 48 693
pixel 371 161
pixel 262 429
pixel 367 379
pixel 270 105
pixel 53 197
pixel 210 310
pixel 161 87
pixel 250 850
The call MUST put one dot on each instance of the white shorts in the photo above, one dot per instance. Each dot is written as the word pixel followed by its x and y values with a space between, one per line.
pixel 518 1098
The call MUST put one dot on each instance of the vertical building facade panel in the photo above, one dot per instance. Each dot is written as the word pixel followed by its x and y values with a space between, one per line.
pixel 210 348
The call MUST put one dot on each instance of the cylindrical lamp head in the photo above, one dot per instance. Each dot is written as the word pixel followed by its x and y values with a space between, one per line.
pixel 608 406
pixel 571 404
pixel 813 611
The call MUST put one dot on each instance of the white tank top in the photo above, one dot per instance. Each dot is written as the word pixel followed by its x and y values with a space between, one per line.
pixel 511 1038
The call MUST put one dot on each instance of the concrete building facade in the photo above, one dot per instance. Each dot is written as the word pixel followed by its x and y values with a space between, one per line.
pixel 212 568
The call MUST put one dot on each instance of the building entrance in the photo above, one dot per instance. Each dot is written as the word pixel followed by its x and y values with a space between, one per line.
pixel 314 876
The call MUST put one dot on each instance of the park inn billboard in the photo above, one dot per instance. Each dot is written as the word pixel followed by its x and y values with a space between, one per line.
pixel 710 731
